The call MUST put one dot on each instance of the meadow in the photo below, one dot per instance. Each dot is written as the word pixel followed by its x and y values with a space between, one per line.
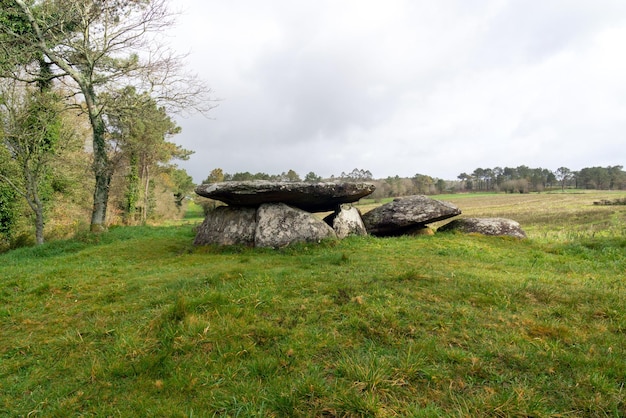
pixel 138 322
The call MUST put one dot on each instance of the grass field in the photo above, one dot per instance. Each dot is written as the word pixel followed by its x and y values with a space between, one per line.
pixel 552 216
pixel 138 322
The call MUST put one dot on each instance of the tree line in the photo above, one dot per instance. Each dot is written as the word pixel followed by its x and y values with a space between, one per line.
pixel 218 175
pixel 87 89
pixel 524 179
pixel 521 179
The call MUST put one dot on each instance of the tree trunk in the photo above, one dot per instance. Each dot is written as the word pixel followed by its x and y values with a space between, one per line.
pixel 146 195
pixel 102 171
pixel 132 190
pixel 39 222
pixel 100 201
pixel 32 198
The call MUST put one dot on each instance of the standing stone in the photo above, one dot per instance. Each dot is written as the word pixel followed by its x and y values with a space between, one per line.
pixel 227 225
pixel 346 221
pixel 279 225
pixel 405 213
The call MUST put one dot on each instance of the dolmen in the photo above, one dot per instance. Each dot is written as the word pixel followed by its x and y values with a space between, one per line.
pixel 276 214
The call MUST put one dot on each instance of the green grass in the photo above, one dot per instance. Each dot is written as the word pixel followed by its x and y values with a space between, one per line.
pixel 194 211
pixel 138 322
pixel 552 216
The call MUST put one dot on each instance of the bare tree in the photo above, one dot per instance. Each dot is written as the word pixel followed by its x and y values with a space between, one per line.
pixel 98 46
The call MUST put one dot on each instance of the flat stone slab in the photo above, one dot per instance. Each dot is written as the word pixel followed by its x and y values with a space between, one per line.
pixel 404 214
pixel 485 226
pixel 311 197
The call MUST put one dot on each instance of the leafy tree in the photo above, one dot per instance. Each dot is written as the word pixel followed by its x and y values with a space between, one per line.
pixel 9 208
pixel 523 172
pixel 594 178
pixel 265 176
pixel 95 46
pixel 611 177
pixel 19 60
pixel 357 175
pixel 488 178
pixel 139 131
pixel 466 181
pixel 291 175
pixel 537 178
pixel 441 185
pixel 33 135
pixel 550 177
pixel 19 107
pixel 311 177
pixel 423 183
pixel 498 176
pixel 478 177
pixel 617 177
pixel 509 173
pixel 8 211
pixel 183 185
pixel 397 186
pixel 563 174
pixel 133 191
pixel 215 176
pixel 246 176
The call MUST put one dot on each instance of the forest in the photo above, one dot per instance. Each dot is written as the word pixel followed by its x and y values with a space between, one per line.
pixel 86 120
pixel 46 183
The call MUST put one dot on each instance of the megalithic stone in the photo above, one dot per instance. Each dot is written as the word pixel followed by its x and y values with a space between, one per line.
pixel 405 213
pixel 312 197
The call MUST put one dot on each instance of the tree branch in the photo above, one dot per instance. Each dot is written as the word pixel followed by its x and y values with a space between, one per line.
pixel 15 187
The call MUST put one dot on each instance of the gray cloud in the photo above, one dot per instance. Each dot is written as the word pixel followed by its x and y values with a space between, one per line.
pixel 401 87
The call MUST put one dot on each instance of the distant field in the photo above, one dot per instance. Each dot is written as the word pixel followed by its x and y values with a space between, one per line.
pixel 138 322
pixel 544 215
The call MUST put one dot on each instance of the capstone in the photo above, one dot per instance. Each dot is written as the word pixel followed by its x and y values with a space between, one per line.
pixel 312 197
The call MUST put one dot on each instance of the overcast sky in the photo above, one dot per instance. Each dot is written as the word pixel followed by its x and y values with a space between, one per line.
pixel 400 87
